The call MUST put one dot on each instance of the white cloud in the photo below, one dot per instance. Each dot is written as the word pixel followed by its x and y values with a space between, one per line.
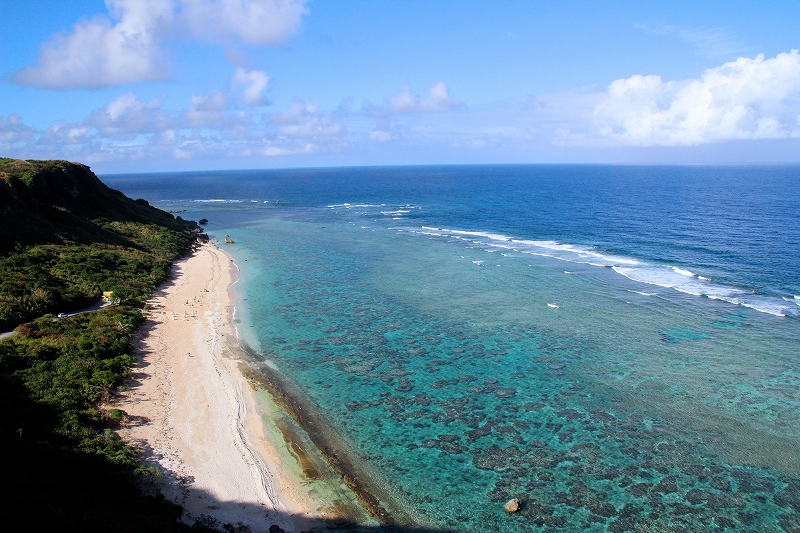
pixel 211 126
pixel 746 99
pixel 266 22
pixel 127 47
pixel 743 99
pixel 711 42
pixel 99 53
pixel 255 82
pixel 379 136
pixel 392 117
pixel 207 109
pixel 66 133
pixel 273 151
pixel 12 130
pixel 126 116
pixel 303 120
pixel 437 100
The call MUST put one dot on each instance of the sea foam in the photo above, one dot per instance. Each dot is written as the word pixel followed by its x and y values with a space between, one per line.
pixel 678 278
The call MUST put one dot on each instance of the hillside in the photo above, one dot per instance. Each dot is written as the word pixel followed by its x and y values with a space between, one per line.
pixel 65 237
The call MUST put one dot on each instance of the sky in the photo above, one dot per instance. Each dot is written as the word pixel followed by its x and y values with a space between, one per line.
pixel 169 85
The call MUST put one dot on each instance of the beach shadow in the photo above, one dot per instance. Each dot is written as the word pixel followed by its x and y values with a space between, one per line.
pixel 201 510
pixel 239 517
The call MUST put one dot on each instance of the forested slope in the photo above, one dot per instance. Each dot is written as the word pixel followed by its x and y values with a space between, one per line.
pixel 64 238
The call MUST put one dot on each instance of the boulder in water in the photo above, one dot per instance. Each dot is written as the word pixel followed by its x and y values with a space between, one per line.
pixel 513 505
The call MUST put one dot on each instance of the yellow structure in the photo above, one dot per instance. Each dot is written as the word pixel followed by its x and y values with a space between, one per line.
pixel 107 296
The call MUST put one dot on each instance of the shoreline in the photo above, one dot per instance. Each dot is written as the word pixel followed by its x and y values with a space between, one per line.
pixel 222 445
pixel 337 454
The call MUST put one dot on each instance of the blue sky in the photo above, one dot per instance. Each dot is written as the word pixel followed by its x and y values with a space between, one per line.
pixel 147 85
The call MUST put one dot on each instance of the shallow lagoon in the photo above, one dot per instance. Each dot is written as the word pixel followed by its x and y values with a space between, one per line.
pixel 466 369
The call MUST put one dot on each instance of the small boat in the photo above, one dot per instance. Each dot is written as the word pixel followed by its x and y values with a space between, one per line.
pixel 228 240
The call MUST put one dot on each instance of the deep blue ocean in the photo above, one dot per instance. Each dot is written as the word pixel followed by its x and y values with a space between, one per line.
pixel 617 346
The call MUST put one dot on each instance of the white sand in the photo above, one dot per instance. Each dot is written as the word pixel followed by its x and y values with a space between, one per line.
pixel 195 416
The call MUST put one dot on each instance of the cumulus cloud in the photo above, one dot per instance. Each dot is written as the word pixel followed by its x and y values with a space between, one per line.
pixel 66 133
pixel 212 125
pixel 126 116
pixel 12 130
pixel 437 100
pixel 128 45
pixel 207 109
pixel 303 120
pixel 99 53
pixel 391 118
pixel 253 84
pixel 743 99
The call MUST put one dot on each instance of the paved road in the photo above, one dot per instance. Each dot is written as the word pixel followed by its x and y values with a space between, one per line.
pixel 93 307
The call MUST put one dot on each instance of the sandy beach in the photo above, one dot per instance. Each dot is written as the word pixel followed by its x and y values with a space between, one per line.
pixel 197 418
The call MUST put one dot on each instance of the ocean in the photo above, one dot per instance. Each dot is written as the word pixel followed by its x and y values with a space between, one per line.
pixel 616 346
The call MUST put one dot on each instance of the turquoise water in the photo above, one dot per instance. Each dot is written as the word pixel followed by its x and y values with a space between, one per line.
pixel 615 367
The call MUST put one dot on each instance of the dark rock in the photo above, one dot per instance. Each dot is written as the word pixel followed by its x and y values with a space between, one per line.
pixel 521 424
pixel 696 496
pixel 691 470
pixel 682 509
pixel 569 414
pixel 751 483
pixel 629 511
pixel 478 432
pixel 666 485
pixel 452 448
pixel 746 518
pixel 601 508
pixel 639 489
pixel 720 484
pixel 724 523
pixel 609 473
pixel 621 524
pixel 603 417
pixel 722 501
pixel 421 399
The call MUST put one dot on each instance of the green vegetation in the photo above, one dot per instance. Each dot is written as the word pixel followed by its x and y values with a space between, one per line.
pixel 64 239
